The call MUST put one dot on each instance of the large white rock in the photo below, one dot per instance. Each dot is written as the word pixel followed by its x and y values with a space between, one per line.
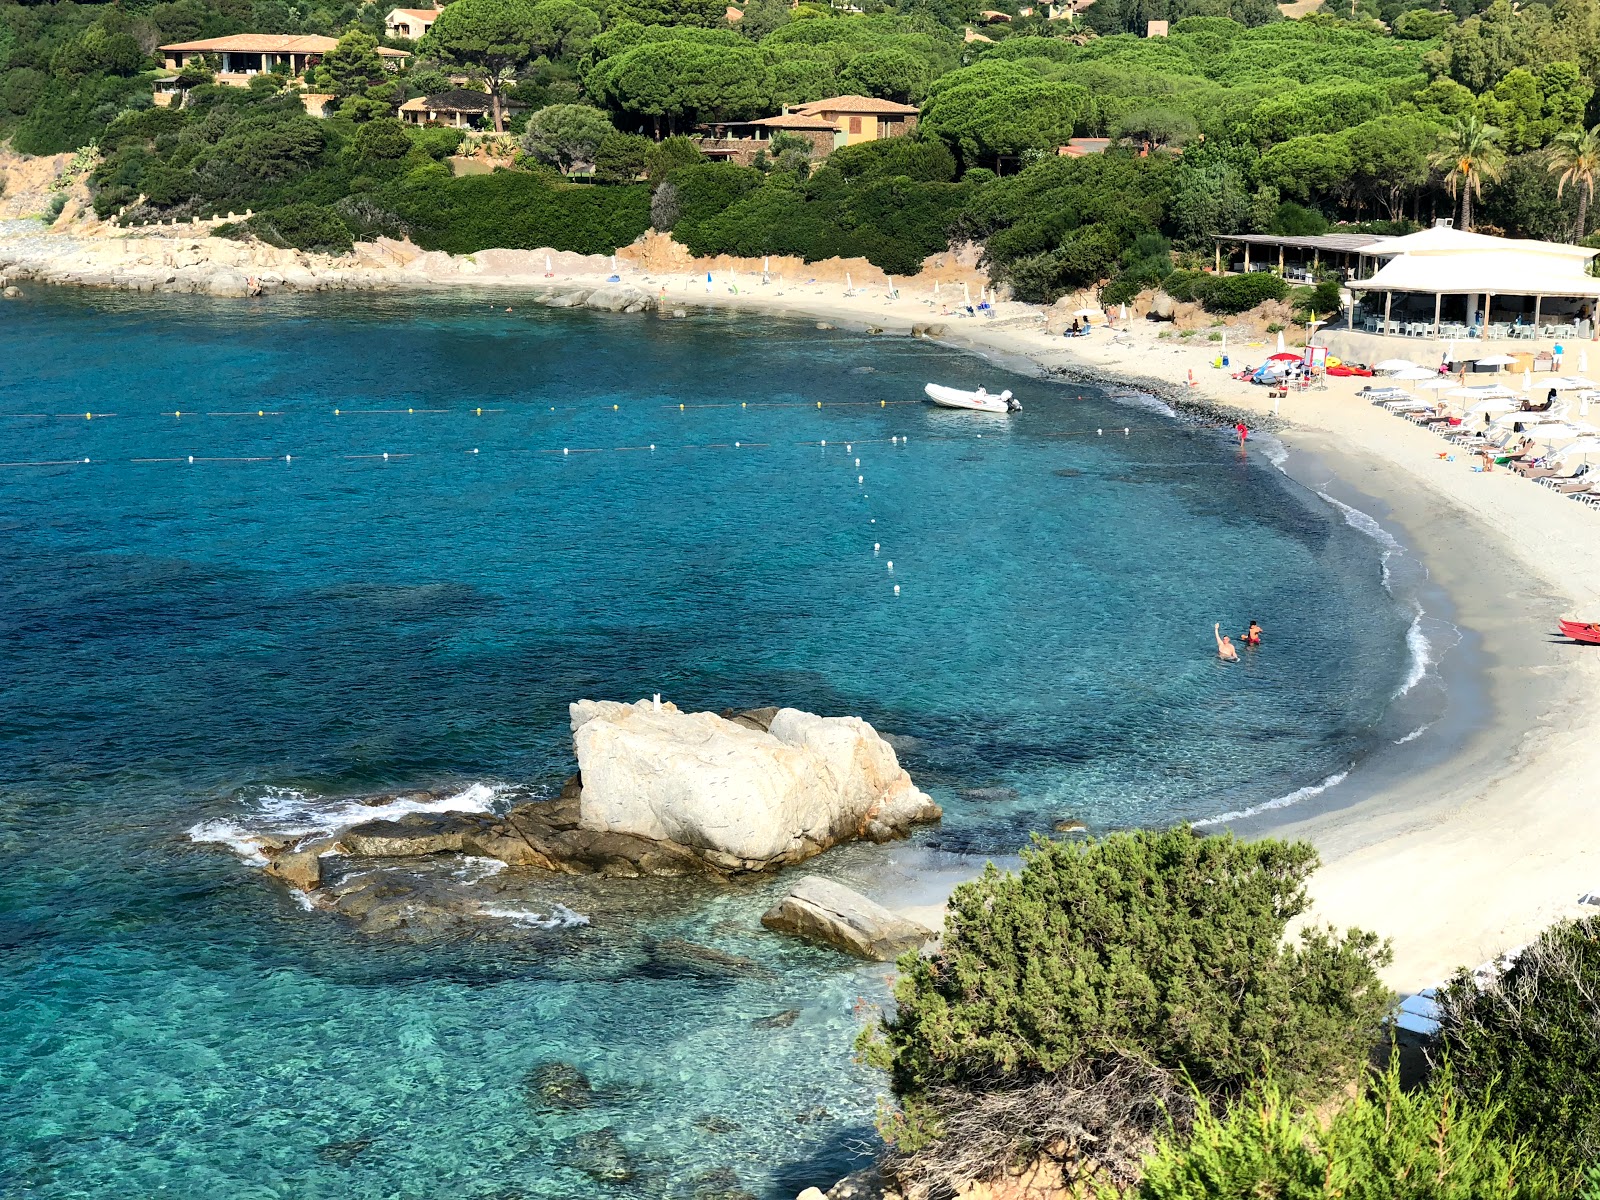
pixel 742 797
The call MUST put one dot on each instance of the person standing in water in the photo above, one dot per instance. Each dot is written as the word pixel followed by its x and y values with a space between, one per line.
pixel 1243 431
pixel 1252 636
pixel 1225 650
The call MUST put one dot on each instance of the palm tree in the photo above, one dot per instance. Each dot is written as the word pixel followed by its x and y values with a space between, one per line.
pixel 1577 157
pixel 1470 156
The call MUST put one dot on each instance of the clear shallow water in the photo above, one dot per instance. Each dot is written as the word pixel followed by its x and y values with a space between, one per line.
pixel 181 643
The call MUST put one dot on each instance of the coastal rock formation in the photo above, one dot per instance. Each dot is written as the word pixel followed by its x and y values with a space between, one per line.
pixel 661 793
pixel 741 797
pixel 820 910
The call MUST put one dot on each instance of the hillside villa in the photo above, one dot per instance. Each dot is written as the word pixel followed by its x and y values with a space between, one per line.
pixel 458 108
pixel 410 23
pixel 826 124
pixel 242 55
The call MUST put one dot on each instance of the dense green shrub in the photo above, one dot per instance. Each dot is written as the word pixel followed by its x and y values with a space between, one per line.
pixel 518 210
pixel 1529 1038
pixel 301 227
pixel 886 158
pixel 1389 1144
pixel 1239 293
pixel 1149 952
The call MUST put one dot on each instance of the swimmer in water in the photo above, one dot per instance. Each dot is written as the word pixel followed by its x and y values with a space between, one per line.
pixel 1225 650
pixel 1252 636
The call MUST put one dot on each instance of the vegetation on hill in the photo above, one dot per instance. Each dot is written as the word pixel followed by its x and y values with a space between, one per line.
pixel 1123 979
pixel 1129 1011
pixel 1237 121
pixel 1527 1039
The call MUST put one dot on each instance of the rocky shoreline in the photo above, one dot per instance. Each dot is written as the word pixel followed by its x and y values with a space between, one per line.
pixel 660 794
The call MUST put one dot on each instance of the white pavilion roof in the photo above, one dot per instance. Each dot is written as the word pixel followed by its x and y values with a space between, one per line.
pixel 1445 260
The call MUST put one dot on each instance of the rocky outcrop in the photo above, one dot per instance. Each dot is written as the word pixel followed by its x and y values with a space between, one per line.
pixel 741 798
pixel 820 910
pixel 660 793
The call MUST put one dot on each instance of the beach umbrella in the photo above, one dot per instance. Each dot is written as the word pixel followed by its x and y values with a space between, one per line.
pixel 1527 378
pixel 1495 404
pixel 1419 373
pixel 1584 446
pixel 1437 384
pixel 1570 383
pixel 1388 364
pixel 549 268
pixel 1123 315
pixel 849 288
pixel 708 283
pixel 1280 341
pixel 1496 360
pixel 966 294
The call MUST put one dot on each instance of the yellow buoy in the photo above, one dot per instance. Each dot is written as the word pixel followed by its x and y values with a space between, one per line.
pixel 480 412
pixel 88 416
pixel 819 403
pixel 336 412
pixel 613 408
pixel 260 413
pixel 411 410
pixel 883 403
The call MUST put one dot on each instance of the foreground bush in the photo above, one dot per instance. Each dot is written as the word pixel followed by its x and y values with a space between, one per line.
pixel 1240 293
pixel 1121 976
pixel 297 227
pixel 1530 1036
pixel 1387 1145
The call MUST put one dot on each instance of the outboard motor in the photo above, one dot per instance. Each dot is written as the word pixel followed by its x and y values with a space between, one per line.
pixel 1012 404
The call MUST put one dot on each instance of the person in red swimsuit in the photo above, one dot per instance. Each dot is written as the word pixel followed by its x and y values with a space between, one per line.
pixel 1252 635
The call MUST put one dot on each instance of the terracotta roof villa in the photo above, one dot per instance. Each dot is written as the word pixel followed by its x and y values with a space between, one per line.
pixel 457 108
pixel 826 124
pixel 411 22
pixel 245 54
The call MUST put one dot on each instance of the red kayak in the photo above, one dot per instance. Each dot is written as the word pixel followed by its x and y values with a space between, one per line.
pixel 1582 631
pixel 1344 372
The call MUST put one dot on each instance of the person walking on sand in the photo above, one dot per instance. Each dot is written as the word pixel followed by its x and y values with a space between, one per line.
pixel 1225 650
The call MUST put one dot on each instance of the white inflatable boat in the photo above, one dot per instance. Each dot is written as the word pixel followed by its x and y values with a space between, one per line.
pixel 980 400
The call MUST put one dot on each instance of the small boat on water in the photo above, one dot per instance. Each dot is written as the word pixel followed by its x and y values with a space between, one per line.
pixel 978 401
pixel 1581 631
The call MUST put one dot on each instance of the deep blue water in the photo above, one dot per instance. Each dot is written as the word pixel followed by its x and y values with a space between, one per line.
pixel 197 645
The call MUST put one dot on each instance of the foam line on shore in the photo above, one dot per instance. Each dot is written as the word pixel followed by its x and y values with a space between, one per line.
pixel 1294 797
pixel 285 812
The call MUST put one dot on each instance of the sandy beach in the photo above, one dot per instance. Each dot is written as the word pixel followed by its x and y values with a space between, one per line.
pixel 1490 838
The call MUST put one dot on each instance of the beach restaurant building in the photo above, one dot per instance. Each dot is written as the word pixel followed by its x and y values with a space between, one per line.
pixel 1446 282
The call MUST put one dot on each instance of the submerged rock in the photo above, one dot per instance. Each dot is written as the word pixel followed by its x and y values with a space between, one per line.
pixel 343 1153
pixel 678 954
pixel 778 1020
pixel 559 1085
pixel 600 1155
pixel 820 910
pixel 719 1183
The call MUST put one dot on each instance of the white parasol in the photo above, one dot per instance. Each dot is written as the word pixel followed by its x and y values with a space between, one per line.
pixel 1388 364
pixel 1496 360
pixel 1569 383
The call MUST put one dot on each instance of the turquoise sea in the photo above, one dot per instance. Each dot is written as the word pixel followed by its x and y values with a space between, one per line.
pixel 246 614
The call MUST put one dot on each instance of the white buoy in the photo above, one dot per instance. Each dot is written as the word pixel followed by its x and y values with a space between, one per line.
pixel 736 445
pixel 564 450
pixel 874 547
pixel 891 564
pixel 191 458
pixel 288 458
pixel 847 448
pixel 652 445
pixel 1124 431
pixel 897 589
pixel 474 449
pixel 1099 433
pixel 861 478
pixel 824 441
pixel 858 461
pixel 874 520
pixel 894 439
pixel 385 456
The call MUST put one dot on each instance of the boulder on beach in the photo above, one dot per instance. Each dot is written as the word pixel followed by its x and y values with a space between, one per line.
pixel 741 797
pixel 820 910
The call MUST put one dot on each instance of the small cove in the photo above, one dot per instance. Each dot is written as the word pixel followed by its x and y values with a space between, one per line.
pixel 185 642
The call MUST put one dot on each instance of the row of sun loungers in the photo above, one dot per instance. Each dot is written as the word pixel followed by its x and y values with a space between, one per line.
pixel 1574 479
